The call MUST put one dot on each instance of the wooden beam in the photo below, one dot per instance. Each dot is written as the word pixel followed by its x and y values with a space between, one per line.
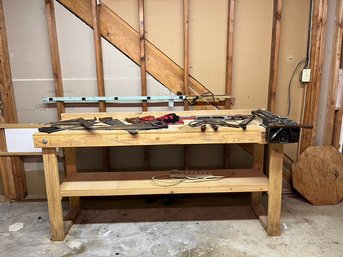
pixel 337 128
pixel 125 38
pixel 71 168
pixel 54 54
pixel 229 52
pixel 53 194
pixel 98 55
pixel 274 55
pixel 186 51
pixel 185 89
pixel 11 168
pixel 313 87
pixel 275 189
pixel 334 75
pixel 142 59
pixel 99 73
pixel 229 68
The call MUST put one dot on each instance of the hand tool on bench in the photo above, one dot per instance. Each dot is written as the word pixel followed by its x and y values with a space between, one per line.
pixel 68 124
pixel 107 123
pixel 216 121
pixel 280 129
pixel 115 124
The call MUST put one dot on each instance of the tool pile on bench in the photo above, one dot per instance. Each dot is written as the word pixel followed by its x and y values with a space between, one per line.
pixel 136 124
pixel 279 129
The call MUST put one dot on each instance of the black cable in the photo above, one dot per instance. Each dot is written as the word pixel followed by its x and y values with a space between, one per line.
pixel 290 83
pixel 309 35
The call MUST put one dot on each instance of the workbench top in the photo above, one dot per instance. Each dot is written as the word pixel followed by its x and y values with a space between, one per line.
pixel 174 135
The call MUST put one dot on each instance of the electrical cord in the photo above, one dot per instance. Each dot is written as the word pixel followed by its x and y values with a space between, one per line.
pixel 290 83
pixel 176 177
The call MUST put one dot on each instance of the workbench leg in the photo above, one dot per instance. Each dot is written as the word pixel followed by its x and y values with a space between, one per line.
pixel 71 167
pixel 54 198
pixel 275 189
pixel 258 153
pixel 256 197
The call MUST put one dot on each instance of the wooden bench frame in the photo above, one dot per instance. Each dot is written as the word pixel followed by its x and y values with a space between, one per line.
pixel 78 184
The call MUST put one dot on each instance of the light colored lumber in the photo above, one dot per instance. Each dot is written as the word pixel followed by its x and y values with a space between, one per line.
pixel 337 128
pixel 12 171
pixel 20 125
pixel 123 115
pixel 125 38
pixel 70 168
pixel 142 59
pixel 318 175
pixel 20 154
pixel 275 189
pixel 174 135
pixel 99 71
pixel 54 54
pixel 53 194
pixel 186 70
pixel 334 76
pixel 258 155
pixel 186 51
pixel 98 55
pixel 274 55
pixel 147 175
pixel 258 161
pixel 229 52
pixel 138 183
pixel 142 51
pixel 312 89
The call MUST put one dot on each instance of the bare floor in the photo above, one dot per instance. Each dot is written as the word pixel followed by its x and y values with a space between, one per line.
pixel 183 226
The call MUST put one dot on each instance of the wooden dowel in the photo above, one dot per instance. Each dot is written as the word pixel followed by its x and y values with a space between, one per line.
pixel 54 53
pixel 229 52
pixel 186 51
pixel 142 52
pixel 274 55
pixel 98 55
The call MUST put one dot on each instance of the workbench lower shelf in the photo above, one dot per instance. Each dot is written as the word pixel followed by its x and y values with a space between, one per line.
pixel 141 183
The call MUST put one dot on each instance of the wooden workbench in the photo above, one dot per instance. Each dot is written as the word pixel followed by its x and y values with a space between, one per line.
pixel 78 184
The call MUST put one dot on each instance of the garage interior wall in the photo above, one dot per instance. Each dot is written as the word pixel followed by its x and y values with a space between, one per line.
pixel 32 76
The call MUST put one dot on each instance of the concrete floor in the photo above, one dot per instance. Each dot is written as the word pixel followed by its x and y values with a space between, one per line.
pixel 183 228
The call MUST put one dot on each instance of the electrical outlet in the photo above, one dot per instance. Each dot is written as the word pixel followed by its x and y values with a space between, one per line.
pixel 306 75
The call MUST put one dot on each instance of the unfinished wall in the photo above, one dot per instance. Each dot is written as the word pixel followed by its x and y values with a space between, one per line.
pixel 294 27
pixel 32 78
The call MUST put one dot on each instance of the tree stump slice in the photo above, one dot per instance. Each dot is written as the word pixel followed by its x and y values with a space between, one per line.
pixel 318 175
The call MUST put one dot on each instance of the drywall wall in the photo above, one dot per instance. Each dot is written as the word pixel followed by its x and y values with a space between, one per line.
pixel 208 28
pixel 32 77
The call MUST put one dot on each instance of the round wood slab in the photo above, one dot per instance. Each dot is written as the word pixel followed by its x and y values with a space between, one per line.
pixel 318 175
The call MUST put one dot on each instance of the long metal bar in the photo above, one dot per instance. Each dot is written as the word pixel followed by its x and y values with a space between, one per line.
pixel 91 99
